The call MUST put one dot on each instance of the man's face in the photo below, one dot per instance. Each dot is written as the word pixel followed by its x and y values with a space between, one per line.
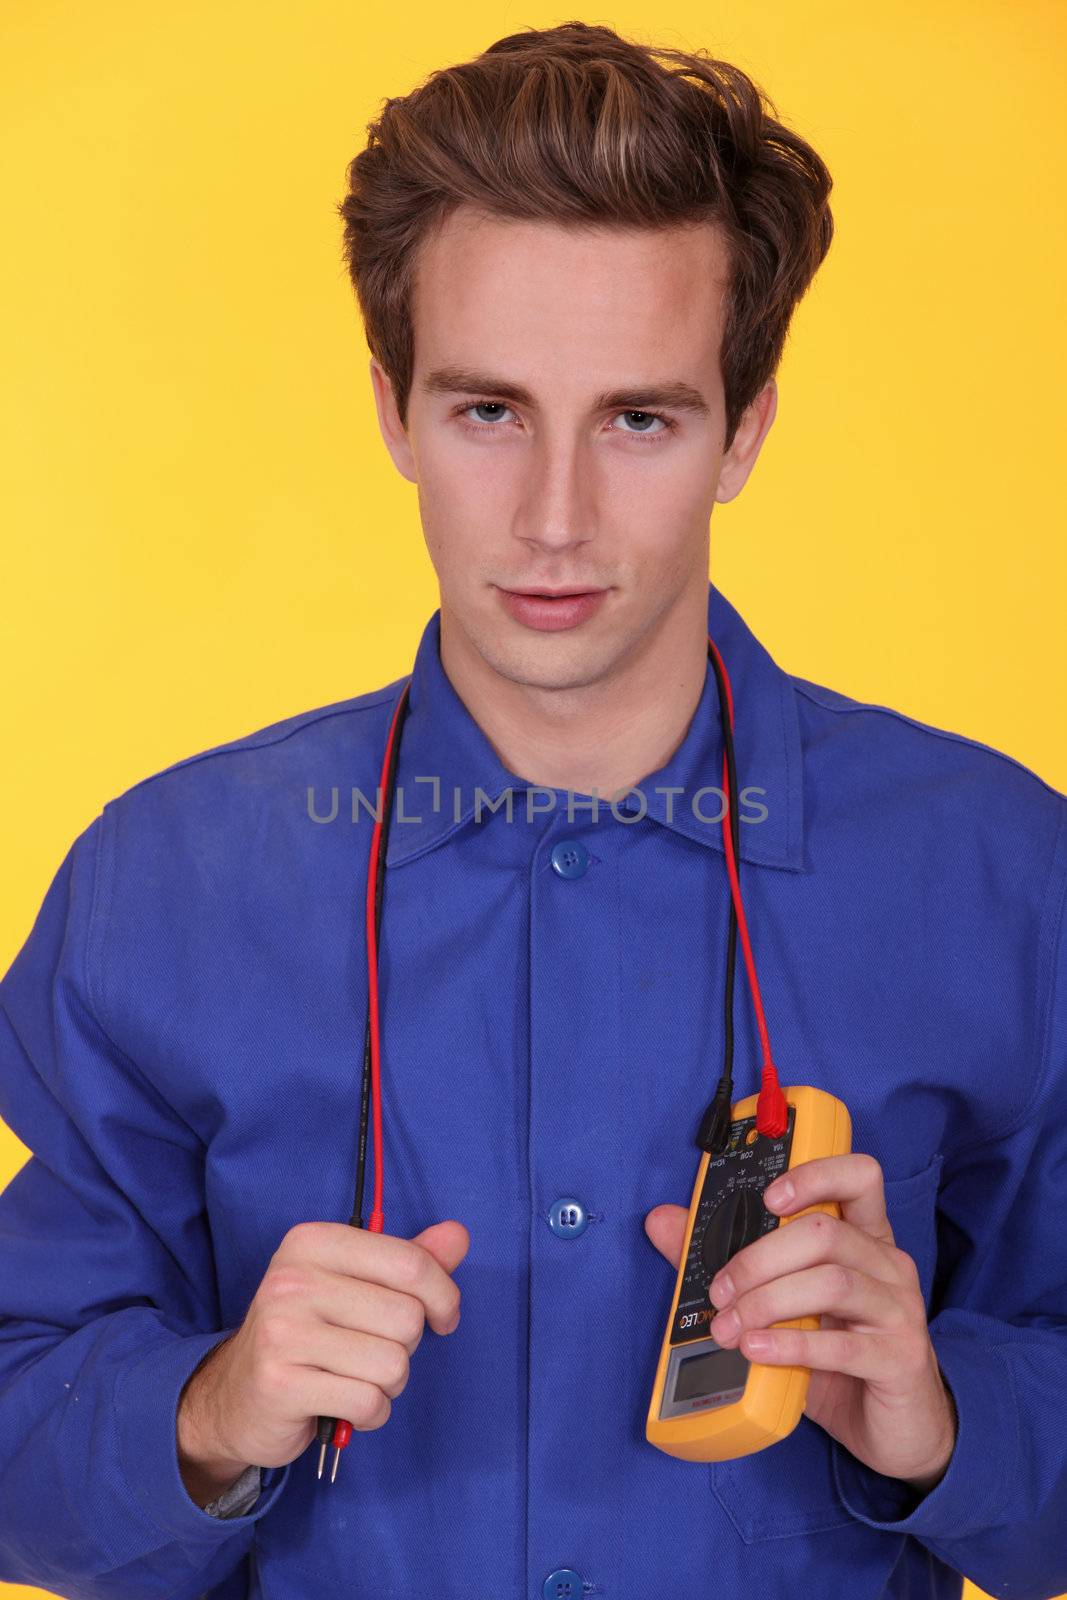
pixel 543 455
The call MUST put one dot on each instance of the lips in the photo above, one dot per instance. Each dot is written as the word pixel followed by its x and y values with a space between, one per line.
pixel 552 610
pixel 554 594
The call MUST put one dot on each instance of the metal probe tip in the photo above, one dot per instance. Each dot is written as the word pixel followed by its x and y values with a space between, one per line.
pixel 322 1457
pixel 336 1459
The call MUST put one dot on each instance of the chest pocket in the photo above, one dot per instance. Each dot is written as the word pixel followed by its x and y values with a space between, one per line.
pixel 789 1487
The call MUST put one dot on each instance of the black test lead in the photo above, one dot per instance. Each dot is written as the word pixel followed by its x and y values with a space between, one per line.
pixel 709 1402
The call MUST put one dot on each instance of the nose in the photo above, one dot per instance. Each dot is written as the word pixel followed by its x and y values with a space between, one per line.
pixel 557 512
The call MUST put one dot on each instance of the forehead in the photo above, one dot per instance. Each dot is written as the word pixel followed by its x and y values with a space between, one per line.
pixel 569 301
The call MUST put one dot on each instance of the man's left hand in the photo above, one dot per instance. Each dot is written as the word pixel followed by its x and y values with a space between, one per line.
pixel 875 1382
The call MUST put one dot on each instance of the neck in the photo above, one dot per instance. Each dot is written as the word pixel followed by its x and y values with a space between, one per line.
pixel 605 736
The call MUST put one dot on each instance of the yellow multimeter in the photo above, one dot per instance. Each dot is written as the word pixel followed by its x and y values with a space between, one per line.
pixel 710 1403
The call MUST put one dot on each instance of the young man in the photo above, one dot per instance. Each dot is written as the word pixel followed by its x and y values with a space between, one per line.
pixel 577 267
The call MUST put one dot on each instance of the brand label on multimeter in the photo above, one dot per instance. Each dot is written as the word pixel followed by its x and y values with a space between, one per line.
pixel 730 1215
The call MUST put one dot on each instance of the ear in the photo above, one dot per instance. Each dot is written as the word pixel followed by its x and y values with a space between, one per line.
pixel 392 429
pixel 753 428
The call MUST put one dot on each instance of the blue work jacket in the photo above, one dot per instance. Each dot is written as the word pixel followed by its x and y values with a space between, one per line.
pixel 182 1049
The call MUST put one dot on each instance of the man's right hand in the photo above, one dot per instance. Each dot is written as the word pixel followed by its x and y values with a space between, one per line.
pixel 330 1332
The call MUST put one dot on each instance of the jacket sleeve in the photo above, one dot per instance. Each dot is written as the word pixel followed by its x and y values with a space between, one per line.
pixel 999 1514
pixel 107 1286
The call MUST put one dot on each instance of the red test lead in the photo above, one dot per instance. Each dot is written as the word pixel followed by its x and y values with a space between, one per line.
pixel 336 1430
pixel 772 1112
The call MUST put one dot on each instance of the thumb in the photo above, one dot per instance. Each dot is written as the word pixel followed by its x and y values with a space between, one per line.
pixel 448 1242
pixel 665 1226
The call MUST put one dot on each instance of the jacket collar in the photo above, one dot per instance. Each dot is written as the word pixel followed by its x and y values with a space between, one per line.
pixel 442 741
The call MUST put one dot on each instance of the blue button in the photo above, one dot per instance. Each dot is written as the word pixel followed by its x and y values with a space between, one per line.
pixel 570 858
pixel 566 1584
pixel 568 1218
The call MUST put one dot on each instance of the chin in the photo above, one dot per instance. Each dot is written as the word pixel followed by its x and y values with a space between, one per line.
pixel 547 661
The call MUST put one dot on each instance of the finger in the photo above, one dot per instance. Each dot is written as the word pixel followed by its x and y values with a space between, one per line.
pixel 313 1393
pixel 868 1303
pixel 364 1307
pixel 345 1353
pixel 665 1225
pixel 377 1258
pixel 805 1242
pixel 874 1357
pixel 854 1181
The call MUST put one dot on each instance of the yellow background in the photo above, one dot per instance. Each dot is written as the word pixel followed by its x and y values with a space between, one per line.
pixel 204 533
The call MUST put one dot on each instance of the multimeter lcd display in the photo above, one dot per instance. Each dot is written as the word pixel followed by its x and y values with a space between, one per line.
pixel 730 1215
pixel 696 1376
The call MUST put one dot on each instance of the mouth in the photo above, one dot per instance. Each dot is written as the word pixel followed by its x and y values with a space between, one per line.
pixel 551 610
pixel 554 594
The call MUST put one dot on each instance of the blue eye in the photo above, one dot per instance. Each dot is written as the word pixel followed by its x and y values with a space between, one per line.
pixel 488 405
pixel 650 416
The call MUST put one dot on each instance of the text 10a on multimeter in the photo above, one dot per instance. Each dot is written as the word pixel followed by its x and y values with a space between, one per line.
pixel 710 1403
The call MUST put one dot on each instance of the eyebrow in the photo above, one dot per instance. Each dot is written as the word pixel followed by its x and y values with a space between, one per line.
pixel 671 396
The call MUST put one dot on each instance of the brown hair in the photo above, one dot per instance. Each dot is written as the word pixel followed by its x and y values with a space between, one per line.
pixel 574 124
